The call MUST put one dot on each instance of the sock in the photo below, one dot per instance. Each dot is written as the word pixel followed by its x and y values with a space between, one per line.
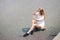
pixel 28 32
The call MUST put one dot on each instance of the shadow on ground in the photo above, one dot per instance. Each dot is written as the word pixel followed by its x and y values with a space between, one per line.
pixel 35 30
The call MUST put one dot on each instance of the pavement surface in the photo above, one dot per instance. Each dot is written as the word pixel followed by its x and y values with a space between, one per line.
pixel 40 35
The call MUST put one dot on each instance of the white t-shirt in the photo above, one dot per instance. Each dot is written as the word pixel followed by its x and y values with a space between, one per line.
pixel 41 21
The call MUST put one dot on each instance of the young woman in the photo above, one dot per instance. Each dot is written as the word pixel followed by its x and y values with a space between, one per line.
pixel 38 21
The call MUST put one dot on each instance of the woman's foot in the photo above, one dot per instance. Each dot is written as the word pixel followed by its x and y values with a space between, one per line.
pixel 31 33
pixel 26 34
pixel 43 29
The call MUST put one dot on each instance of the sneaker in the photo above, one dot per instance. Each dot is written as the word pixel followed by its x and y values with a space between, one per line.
pixel 31 33
pixel 25 35
pixel 43 29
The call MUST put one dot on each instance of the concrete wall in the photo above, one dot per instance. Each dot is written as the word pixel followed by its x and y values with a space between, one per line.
pixel 16 15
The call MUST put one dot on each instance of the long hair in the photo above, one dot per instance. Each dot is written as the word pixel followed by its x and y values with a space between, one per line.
pixel 41 12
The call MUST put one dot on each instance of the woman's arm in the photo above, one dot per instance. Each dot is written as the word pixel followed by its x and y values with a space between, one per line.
pixel 41 18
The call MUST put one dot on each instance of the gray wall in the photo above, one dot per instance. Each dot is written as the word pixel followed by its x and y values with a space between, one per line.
pixel 16 15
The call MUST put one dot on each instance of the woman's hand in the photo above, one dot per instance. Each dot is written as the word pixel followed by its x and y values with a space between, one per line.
pixel 35 19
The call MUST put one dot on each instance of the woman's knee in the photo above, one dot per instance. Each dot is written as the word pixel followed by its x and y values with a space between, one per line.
pixel 33 22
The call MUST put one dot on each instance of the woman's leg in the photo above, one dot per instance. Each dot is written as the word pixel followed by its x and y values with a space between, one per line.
pixel 35 25
pixel 38 26
pixel 42 27
pixel 32 27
